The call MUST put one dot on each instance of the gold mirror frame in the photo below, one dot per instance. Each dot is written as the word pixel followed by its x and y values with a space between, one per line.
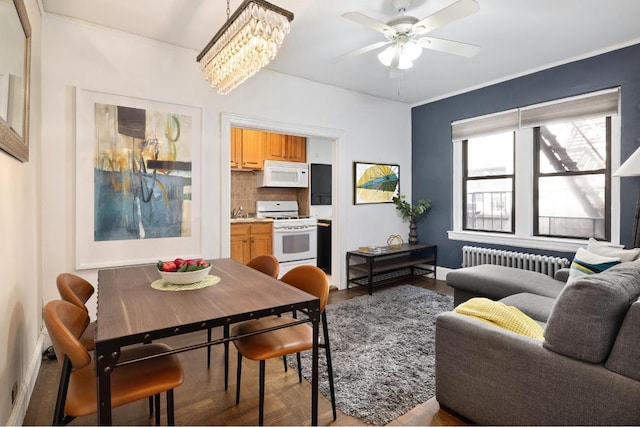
pixel 10 141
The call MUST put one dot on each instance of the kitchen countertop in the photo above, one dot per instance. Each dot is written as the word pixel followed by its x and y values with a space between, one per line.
pixel 245 220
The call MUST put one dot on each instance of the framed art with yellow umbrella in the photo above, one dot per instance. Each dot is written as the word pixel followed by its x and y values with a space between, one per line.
pixel 375 182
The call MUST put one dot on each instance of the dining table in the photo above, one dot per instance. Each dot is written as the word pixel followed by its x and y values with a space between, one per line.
pixel 133 309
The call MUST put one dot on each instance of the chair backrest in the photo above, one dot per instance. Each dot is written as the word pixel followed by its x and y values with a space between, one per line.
pixel 65 323
pixel 310 279
pixel 74 289
pixel 268 264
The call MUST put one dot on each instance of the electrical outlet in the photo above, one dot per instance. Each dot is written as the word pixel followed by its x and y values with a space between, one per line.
pixel 14 392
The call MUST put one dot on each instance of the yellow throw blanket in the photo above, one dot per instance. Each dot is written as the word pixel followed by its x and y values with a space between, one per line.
pixel 501 315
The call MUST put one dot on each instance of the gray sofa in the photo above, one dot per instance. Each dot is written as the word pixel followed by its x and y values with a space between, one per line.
pixel 585 372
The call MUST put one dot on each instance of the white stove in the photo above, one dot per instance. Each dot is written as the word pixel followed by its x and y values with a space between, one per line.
pixel 294 236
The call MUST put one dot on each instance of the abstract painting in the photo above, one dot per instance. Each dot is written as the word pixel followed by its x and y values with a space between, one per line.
pixel 137 180
pixel 375 182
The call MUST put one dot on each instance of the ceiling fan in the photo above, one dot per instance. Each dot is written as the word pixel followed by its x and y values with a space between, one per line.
pixel 405 34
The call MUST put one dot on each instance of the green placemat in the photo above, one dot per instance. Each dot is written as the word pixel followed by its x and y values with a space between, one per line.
pixel 163 285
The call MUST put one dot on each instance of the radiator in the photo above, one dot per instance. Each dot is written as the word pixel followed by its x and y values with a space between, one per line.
pixel 473 255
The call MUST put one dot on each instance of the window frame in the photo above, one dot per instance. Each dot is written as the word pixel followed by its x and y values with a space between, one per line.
pixel 523 236
pixel 466 178
pixel 607 171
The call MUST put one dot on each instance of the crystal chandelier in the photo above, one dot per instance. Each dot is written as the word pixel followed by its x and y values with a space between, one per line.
pixel 246 42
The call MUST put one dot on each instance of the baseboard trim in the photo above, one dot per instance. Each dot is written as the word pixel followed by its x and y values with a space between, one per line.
pixel 27 384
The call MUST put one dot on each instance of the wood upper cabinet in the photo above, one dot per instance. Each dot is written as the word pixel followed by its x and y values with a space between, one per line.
pixel 248 240
pixel 247 148
pixel 275 146
pixel 252 148
pixel 296 148
pixel 288 148
pixel 236 147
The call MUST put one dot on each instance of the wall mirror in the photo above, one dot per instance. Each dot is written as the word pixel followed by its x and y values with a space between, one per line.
pixel 15 64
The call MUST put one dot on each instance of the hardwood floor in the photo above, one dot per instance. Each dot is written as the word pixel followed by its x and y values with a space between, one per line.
pixel 202 400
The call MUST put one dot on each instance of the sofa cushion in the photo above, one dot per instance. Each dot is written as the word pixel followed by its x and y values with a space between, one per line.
pixel 604 249
pixel 535 306
pixel 503 316
pixel 585 263
pixel 497 281
pixel 625 354
pixel 588 313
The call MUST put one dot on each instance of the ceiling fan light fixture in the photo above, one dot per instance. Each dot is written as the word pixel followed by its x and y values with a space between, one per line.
pixel 248 41
pixel 386 56
pixel 411 50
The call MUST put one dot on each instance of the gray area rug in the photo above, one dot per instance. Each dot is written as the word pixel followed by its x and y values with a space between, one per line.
pixel 383 352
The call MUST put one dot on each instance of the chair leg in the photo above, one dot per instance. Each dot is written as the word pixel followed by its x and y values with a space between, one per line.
pixel 61 398
pixel 238 378
pixel 329 364
pixel 150 405
pixel 284 359
pixel 156 398
pixel 261 404
pixel 209 348
pixel 170 413
pixel 299 367
pixel 226 357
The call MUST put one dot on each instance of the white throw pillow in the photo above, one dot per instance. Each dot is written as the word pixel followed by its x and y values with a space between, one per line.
pixel 604 249
pixel 585 263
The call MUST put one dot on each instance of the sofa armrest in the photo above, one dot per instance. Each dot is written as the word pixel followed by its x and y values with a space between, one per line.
pixel 493 376
pixel 562 275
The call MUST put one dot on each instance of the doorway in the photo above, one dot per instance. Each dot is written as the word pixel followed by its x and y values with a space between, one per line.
pixel 324 140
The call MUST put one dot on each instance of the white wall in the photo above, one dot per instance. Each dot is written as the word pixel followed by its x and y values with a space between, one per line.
pixel 20 295
pixel 78 55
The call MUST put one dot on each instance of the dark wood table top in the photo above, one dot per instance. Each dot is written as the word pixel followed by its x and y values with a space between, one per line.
pixel 388 250
pixel 129 307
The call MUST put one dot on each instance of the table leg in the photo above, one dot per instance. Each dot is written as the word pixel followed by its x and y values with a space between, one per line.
pixel 103 384
pixel 370 283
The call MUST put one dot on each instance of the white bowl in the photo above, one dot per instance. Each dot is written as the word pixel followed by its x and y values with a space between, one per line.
pixel 185 277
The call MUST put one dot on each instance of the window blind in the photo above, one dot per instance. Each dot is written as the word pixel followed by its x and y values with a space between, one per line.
pixel 595 104
pixel 598 104
pixel 485 125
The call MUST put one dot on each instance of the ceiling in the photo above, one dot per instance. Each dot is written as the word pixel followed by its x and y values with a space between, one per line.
pixel 516 37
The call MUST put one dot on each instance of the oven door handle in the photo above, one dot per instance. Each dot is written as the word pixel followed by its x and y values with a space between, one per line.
pixel 294 230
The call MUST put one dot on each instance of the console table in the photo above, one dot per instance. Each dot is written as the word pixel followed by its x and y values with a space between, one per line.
pixel 386 264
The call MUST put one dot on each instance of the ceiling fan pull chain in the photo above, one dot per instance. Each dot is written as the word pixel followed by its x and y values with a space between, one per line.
pixel 228 10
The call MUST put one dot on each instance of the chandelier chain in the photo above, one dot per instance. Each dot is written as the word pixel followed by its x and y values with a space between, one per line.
pixel 228 10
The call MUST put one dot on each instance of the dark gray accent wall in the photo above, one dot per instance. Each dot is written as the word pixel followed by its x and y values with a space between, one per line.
pixel 432 150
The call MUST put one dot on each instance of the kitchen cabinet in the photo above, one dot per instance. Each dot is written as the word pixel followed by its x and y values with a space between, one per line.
pixel 236 148
pixel 288 148
pixel 248 240
pixel 296 148
pixel 247 148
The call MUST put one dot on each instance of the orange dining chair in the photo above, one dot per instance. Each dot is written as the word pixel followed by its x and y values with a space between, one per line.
pixel 77 291
pixel 267 264
pixel 77 390
pixel 289 340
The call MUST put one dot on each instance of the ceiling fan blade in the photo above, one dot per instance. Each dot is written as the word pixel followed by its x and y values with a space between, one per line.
pixel 444 16
pixel 369 22
pixel 448 46
pixel 364 50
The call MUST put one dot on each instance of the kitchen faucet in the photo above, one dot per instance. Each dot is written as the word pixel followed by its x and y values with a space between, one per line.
pixel 236 212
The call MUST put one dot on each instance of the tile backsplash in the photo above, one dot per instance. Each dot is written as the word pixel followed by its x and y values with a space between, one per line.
pixel 245 193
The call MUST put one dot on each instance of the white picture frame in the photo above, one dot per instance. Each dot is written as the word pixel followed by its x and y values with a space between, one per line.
pixel 136 202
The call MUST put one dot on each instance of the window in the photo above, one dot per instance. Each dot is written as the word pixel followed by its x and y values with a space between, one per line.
pixel 572 180
pixel 539 176
pixel 488 183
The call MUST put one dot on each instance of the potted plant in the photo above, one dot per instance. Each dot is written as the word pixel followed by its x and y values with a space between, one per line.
pixel 413 212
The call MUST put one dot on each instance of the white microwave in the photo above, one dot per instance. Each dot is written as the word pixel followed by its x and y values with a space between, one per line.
pixel 284 174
